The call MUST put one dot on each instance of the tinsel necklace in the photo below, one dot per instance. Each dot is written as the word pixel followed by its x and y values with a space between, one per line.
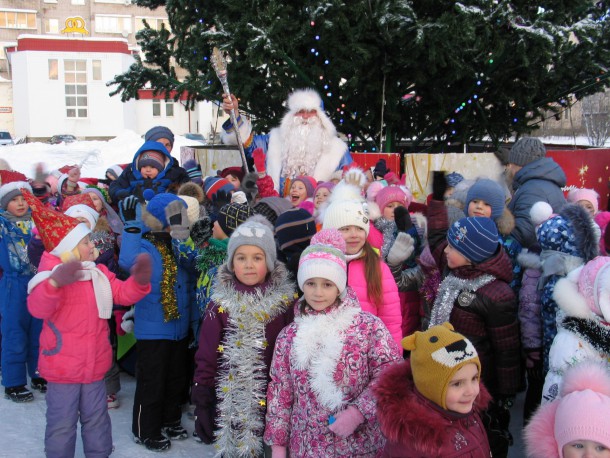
pixel 169 271
pixel 452 288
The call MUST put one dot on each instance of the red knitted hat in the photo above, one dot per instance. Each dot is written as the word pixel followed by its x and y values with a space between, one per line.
pixel 59 233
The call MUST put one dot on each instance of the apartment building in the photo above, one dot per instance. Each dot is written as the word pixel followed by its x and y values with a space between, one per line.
pixel 55 59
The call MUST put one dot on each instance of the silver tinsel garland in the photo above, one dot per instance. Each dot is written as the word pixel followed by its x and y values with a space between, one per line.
pixel 452 288
pixel 242 382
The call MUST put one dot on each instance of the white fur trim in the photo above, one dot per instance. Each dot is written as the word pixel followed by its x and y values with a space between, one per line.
pixel 355 176
pixel 570 300
pixel 528 260
pixel 304 99
pixel 13 186
pixel 69 242
pixel 374 211
pixel 317 346
pixel 603 291
pixel 84 211
pixel 540 212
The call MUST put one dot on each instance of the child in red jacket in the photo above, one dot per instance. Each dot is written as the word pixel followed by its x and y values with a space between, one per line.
pixel 74 297
pixel 430 406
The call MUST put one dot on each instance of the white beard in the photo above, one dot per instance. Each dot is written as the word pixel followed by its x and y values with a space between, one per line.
pixel 304 141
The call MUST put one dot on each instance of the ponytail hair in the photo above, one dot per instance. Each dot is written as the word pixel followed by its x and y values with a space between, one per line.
pixel 372 273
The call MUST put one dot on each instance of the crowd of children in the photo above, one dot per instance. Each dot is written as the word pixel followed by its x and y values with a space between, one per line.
pixel 343 319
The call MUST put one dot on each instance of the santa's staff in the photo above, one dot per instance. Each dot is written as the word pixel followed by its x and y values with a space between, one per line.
pixel 220 67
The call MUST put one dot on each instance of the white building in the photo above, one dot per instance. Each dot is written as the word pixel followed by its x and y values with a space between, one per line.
pixel 59 87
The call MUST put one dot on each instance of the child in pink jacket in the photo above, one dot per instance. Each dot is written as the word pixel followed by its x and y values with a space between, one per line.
pixel 74 297
pixel 319 399
pixel 367 274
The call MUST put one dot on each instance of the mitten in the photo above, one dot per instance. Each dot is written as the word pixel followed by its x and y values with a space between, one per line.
pixel 141 271
pixel 346 422
pixel 201 231
pixel 401 250
pixel 248 186
pixel 127 323
pixel 205 410
pixel 279 451
pixel 131 213
pixel 177 217
pixel 221 198
pixel 402 219
pixel 239 197
pixel 65 273
pixel 259 160
pixel 355 176
pixel 73 177
pixel 439 185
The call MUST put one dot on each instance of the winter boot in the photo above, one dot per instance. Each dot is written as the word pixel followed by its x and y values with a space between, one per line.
pixel 18 394
pixel 157 444
pixel 113 401
pixel 174 431
pixel 39 384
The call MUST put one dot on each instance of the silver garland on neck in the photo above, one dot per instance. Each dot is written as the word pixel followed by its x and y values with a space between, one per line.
pixel 242 382
pixel 453 288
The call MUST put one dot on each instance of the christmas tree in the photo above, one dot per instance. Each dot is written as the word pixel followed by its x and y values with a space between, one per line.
pixel 388 70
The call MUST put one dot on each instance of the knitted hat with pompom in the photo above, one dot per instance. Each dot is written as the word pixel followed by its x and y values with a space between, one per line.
pixel 324 258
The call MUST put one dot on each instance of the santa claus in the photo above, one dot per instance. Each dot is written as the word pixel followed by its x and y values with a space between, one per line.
pixel 305 143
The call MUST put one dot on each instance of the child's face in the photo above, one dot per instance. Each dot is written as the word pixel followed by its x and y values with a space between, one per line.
pixel 587 206
pixel 217 232
pixel 86 249
pixel 320 197
pixel 455 259
pixel 463 389
pixel 97 202
pixel 354 237
pixel 320 293
pixel 388 211
pixel 585 449
pixel 149 172
pixel 85 221
pixel 478 207
pixel 17 206
pixel 233 180
pixel 250 265
pixel 298 193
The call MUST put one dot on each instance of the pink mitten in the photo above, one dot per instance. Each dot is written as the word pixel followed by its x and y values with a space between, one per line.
pixel 259 160
pixel 346 421
pixel 141 271
pixel 118 319
pixel 65 274
pixel 278 451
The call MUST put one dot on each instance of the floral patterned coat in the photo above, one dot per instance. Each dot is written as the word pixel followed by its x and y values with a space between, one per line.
pixel 324 362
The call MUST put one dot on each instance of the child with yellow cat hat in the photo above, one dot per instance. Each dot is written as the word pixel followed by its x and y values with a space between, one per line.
pixel 430 405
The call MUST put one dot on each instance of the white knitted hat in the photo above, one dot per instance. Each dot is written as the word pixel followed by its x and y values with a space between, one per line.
pixel 346 213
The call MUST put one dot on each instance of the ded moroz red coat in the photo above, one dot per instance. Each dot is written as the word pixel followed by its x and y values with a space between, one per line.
pixel 416 427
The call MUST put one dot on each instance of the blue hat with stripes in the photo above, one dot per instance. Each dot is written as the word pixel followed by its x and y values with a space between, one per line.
pixel 475 237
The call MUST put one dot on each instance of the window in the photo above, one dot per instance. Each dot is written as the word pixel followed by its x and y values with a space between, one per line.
pixel 75 75
pixel 51 26
pixel 122 2
pixel 112 24
pixel 154 23
pixel 53 69
pixel 96 70
pixel 169 109
pixel 156 107
pixel 78 2
pixel 18 19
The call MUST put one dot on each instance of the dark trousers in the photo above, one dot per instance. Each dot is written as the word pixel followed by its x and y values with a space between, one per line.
pixel 161 374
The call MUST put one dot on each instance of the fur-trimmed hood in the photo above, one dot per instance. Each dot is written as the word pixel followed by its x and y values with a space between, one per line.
pixel 529 260
pixel 505 222
pixel 193 190
pixel 406 417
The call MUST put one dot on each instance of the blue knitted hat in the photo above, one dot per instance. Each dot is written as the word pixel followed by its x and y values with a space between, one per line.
pixel 156 208
pixel 490 192
pixel 475 237
pixel 571 232
pixel 157 132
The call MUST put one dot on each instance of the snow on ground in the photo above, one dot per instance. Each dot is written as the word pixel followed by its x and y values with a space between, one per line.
pixel 22 430
pixel 95 156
